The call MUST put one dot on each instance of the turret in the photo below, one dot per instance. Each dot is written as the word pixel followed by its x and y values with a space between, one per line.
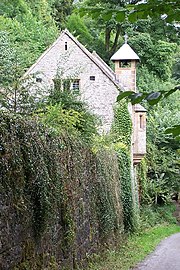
pixel 126 60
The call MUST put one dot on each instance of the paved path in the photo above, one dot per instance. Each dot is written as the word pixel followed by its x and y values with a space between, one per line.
pixel 165 257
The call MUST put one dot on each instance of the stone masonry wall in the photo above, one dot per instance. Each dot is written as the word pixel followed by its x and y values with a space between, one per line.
pixel 100 95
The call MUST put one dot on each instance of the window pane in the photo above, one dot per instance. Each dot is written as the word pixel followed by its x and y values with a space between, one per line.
pixel 92 78
pixel 75 84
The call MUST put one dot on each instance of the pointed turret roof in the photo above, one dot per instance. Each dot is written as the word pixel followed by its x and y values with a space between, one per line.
pixel 125 53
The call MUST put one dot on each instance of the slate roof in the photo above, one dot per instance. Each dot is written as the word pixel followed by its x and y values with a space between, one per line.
pixel 125 53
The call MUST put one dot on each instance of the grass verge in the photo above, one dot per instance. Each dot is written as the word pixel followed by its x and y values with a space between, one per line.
pixel 137 246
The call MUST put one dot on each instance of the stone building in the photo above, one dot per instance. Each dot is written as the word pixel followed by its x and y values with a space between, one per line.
pixel 69 61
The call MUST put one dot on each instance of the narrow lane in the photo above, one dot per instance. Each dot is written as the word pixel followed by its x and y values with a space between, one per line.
pixel 165 257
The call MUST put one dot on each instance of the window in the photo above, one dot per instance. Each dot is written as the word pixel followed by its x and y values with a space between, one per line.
pixel 66 84
pixel 65 46
pixel 38 79
pixel 75 84
pixel 92 78
pixel 125 63
pixel 141 121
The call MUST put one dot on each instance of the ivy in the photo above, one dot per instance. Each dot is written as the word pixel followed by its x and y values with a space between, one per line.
pixel 124 163
pixel 121 133
pixel 62 194
pixel 122 126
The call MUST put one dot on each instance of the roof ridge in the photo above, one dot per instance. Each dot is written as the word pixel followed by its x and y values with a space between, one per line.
pixel 94 59
pixel 45 52
pixel 94 53
pixel 101 64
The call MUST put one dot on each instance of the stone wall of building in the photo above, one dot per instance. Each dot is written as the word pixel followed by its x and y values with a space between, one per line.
pixel 99 94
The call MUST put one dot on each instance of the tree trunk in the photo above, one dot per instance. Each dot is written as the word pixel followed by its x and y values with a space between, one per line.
pixel 107 38
pixel 114 47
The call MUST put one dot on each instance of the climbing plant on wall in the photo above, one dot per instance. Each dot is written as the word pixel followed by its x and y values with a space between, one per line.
pixel 121 134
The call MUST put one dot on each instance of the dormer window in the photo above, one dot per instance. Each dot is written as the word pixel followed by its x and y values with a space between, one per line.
pixel 66 46
pixel 124 63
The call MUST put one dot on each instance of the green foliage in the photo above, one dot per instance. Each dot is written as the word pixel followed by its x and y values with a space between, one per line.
pixel 156 55
pixel 162 155
pixel 142 170
pixel 124 163
pixel 57 186
pixel 15 95
pixel 153 8
pixel 29 33
pixel 122 126
pixel 59 119
pixel 176 67
pixel 155 215
pixel 61 10
pixel 162 163
pixel 110 216
pixel 148 82
pixel 121 136
pixel 156 224
pixel 31 186
pixel 7 60
pixel 87 33
pixel 14 8
pixel 76 25
pixel 68 112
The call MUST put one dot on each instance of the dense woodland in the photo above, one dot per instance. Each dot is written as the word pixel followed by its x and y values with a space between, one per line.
pixel 27 28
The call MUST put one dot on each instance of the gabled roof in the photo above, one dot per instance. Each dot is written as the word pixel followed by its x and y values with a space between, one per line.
pixel 93 56
pixel 125 53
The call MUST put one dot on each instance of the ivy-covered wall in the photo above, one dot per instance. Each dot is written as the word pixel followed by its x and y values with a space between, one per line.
pixel 59 201
pixel 122 144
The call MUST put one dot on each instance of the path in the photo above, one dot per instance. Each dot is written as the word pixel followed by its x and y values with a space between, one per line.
pixel 167 255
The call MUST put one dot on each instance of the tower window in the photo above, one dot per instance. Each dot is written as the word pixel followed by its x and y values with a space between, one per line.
pixel 141 120
pixel 66 46
pixel 125 63
pixel 92 78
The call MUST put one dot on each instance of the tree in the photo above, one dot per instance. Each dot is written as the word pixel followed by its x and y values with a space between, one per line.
pixel 87 32
pixel 15 92
pixel 112 30
pixel 162 151
pixel 158 56
pixel 61 9
pixel 135 10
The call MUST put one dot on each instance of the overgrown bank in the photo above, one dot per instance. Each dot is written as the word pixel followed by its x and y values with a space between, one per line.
pixel 60 201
